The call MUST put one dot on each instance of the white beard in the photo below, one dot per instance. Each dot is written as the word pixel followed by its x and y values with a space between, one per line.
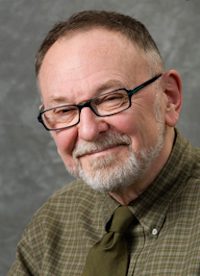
pixel 108 173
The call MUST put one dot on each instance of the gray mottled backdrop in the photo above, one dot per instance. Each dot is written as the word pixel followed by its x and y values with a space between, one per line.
pixel 29 167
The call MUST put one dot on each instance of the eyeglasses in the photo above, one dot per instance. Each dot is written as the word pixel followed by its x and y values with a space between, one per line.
pixel 107 104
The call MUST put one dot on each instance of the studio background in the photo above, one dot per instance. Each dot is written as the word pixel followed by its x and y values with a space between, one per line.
pixel 30 170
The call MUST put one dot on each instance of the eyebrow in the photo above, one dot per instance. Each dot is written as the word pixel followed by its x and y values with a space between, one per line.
pixel 110 84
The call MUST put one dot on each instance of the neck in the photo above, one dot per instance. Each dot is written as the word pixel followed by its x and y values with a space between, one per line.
pixel 128 194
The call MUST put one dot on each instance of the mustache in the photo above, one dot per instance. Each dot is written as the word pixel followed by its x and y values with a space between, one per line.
pixel 106 140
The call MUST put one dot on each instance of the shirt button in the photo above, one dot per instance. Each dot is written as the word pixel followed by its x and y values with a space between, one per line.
pixel 154 232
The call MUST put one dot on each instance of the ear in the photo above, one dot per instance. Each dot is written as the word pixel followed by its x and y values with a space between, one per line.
pixel 172 88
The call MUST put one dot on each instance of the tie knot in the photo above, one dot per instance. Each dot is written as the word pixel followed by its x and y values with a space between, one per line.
pixel 121 219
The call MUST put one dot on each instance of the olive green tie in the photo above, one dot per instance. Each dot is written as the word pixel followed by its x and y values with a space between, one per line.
pixel 109 256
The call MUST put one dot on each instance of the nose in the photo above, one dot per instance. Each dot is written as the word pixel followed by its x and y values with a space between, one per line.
pixel 91 125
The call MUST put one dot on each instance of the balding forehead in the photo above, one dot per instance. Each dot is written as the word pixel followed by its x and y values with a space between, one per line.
pixel 97 42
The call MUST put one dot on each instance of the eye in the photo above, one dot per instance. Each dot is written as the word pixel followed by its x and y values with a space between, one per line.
pixel 112 98
pixel 64 110
pixel 61 117
pixel 111 102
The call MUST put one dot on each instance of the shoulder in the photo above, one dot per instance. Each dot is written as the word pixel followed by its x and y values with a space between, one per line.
pixel 191 191
pixel 189 157
pixel 61 213
pixel 187 162
pixel 74 191
pixel 71 200
pixel 196 167
pixel 55 225
pixel 193 183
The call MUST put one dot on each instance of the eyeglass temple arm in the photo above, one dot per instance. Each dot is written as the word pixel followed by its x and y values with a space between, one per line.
pixel 141 86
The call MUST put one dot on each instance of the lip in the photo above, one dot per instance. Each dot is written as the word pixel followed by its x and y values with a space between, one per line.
pixel 101 152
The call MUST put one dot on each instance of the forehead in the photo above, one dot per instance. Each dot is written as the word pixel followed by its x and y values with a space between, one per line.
pixel 85 59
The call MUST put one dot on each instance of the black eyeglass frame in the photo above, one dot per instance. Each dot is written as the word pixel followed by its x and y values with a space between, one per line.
pixel 130 93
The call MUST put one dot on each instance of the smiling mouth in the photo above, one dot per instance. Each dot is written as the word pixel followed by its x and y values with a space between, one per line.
pixel 100 150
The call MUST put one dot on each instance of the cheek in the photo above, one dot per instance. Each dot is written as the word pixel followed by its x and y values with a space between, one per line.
pixel 65 141
pixel 123 122
pixel 141 126
pixel 128 124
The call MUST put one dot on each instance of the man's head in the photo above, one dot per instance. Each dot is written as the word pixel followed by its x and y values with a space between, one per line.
pixel 82 59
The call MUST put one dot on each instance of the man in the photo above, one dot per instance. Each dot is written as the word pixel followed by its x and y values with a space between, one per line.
pixel 112 110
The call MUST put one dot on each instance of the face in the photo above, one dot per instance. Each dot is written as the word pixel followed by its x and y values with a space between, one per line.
pixel 111 152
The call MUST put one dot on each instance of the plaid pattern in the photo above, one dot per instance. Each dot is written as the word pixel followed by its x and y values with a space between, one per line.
pixel 165 239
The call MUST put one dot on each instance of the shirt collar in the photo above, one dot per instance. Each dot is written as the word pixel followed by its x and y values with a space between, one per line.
pixel 151 206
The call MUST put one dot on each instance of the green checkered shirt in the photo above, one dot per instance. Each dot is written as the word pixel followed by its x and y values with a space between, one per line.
pixel 165 240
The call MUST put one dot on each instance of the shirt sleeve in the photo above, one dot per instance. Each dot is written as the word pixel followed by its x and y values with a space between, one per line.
pixel 29 251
